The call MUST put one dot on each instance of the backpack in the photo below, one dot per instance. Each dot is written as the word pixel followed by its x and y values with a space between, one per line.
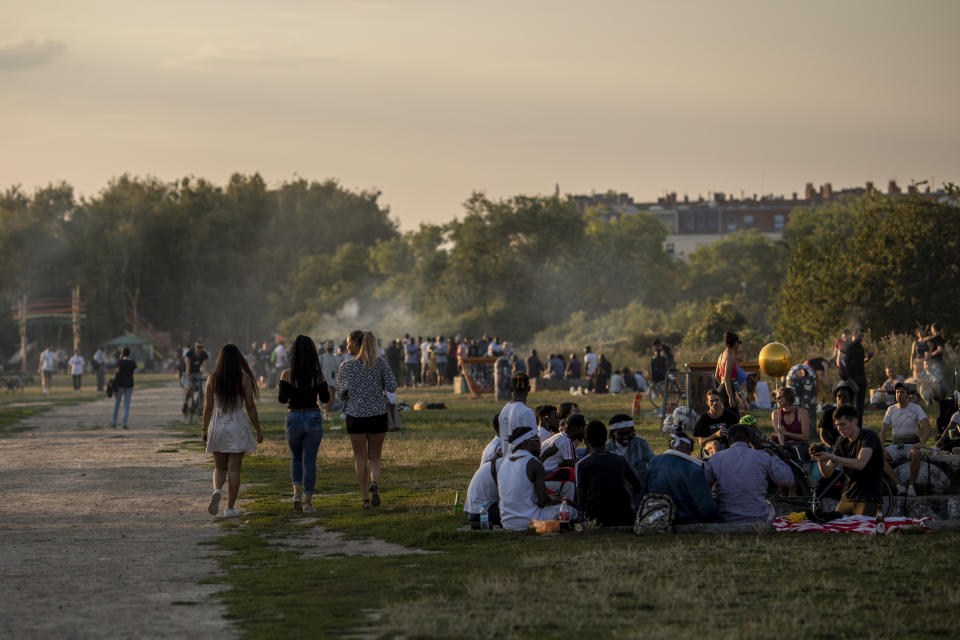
pixel 655 515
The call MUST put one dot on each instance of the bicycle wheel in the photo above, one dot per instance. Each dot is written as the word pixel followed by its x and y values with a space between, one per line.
pixel 886 493
pixel 795 498
pixel 191 408
pixel 655 394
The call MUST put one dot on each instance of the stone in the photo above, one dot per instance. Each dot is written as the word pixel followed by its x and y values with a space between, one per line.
pixel 938 482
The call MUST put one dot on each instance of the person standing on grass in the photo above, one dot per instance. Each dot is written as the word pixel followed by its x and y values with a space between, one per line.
pixel 726 372
pixel 301 386
pixel 47 367
pixel 226 432
pixel 99 360
pixel 124 386
pixel 76 364
pixel 362 383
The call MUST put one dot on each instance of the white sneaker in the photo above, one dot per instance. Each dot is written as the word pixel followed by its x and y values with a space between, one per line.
pixel 911 491
pixel 307 507
pixel 901 490
pixel 214 506
pixel 230 513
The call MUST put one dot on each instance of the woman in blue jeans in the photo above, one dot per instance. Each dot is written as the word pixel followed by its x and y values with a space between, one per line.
pixel 123 383
pixel 300 387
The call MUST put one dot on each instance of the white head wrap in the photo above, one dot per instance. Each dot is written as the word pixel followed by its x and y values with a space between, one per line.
pixel 624 424
pixel 677 439
pixel 526 435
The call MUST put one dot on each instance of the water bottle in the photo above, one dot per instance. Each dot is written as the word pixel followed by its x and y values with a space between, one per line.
pixel 881 525
pixel 484 517
pixel 564 515
pixel 458 504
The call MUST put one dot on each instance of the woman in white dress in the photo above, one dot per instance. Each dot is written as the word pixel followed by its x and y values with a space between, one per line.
pixel 226 431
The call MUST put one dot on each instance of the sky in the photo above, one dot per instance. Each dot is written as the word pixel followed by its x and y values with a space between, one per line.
pixel 428 101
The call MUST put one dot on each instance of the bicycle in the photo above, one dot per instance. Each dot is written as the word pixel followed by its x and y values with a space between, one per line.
pixel 657 390
pixel 808 494
pixel 195 400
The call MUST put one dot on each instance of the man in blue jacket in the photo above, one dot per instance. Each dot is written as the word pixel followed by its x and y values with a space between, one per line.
pixel 679 475
pixel 625 441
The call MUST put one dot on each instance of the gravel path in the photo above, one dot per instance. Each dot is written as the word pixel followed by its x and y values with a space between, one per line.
pixel 100 533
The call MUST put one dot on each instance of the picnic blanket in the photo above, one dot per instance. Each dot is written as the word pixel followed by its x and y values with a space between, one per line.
pixel 851 524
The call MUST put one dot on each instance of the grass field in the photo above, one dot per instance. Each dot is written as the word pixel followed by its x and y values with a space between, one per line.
pixel 600 583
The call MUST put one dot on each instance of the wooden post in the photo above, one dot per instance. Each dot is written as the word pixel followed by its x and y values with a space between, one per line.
pixel 23 335
pixel 76 317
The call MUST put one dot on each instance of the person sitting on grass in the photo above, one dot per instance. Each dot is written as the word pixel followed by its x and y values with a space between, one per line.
pixel 791 424
pixel 483 491
pixel 678 474
pixel 860 452
pixel 625 441
pixel 494 448
pixel 567 409
pixel 548 421
pixel 602 480
pixel 516 413
pixel 742 475
pixel 558 453
pixel 711 428
pixel 520 481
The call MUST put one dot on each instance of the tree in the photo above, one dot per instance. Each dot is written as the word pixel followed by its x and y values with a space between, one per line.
pixel 894 263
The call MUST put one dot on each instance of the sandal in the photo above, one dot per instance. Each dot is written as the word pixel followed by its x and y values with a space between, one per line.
pixel 374 494
pixel 366 504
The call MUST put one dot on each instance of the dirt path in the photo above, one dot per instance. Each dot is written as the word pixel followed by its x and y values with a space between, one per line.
pixel 100 533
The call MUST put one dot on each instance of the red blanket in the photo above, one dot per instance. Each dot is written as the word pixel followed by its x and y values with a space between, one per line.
pixel 850 524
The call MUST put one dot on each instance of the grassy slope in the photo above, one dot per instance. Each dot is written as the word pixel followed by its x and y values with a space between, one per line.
pixel 609 583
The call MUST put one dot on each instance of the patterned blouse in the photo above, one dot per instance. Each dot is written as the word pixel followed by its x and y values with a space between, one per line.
pixel 361 391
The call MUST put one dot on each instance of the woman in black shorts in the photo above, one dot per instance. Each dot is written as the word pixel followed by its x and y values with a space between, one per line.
pixel 361 385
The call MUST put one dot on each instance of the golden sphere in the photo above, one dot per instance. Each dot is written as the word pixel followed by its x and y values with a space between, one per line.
pixel 775 359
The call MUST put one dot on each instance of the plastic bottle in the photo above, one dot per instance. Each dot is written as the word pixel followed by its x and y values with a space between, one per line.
pixel 563 516
pixel 458 504
pixel 881 525
pixel 484 517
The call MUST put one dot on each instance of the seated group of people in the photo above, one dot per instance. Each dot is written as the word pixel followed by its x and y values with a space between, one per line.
pixel 532 464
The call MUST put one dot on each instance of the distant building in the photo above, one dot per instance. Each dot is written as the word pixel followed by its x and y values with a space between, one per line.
pixel 693 224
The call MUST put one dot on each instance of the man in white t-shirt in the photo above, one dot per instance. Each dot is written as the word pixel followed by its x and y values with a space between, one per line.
pixel 589 361
pixel 483 490
pixel 904 419
pixel 48 365
pixel 75 364
pixel 763 396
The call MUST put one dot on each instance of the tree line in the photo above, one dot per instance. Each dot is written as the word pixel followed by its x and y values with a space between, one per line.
pixel 240 261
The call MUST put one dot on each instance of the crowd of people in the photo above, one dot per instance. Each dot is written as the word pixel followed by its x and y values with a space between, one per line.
pixel 533 464
pixel 362 383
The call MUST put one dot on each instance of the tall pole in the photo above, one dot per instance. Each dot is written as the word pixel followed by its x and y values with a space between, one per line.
pixel 23 335
pixel 76 317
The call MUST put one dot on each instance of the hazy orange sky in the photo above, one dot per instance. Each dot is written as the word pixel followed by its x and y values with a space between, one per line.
pixel 430 100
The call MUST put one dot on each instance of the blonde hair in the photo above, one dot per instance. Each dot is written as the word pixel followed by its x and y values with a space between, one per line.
pixel 369 352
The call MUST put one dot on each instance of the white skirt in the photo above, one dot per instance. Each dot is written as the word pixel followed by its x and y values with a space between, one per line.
pixel 230 432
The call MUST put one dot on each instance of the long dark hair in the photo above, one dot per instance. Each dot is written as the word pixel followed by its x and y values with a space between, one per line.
pixel 227 377
pixel 304 363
